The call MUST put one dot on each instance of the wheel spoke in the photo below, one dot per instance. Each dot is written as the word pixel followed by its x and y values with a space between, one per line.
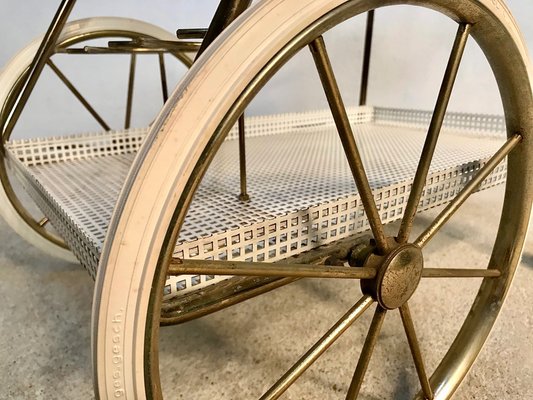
pixel 318 349
pixel 415 350
pixel 163 73
pixel 244 268
pixel 470 188
pixel 459 273
pixel 366 353
pixel 131 83
pixel 366 57
pixel 329 83
pixel 433 132
pixel 77 94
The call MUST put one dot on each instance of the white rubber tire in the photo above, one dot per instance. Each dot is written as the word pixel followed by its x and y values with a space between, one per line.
pixel 159 176
pixel 8 78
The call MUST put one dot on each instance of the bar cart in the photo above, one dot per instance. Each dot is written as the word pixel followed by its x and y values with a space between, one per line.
pixel 163 219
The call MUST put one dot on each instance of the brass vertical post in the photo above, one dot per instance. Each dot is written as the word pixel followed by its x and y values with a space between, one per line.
pixel 131 83
pixel 225 14
pixel 243 196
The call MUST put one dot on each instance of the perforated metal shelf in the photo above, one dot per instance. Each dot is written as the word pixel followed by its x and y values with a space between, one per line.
pixel 302 192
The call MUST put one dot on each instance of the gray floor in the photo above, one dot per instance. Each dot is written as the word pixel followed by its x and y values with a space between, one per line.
pixel 45 329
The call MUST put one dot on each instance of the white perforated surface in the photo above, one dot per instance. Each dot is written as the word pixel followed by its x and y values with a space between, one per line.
pixel 302 192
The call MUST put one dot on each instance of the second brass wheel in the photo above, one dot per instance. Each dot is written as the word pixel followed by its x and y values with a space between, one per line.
pixel 72 50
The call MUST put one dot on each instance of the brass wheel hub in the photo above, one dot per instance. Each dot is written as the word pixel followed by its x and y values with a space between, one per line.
pixel 398 275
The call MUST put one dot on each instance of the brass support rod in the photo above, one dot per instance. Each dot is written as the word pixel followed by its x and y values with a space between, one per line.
pixel 243 196
pixel 318 349
pixel 366 57
pixel 131 83
pixel 409 327
pixel 77 94
pixel 459 273
pixel 470 188
pixel 163 74
pixel 227 11
pixel 433 132
pixel 43 53
pixel 245 268
pixel 191 33
pixel 95 50
pixel 151 44
pixel 366 353
pixel 336 105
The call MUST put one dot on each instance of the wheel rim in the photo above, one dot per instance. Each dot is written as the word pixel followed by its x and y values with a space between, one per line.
pixel 517 203
pixel 69 38
pixel 468 342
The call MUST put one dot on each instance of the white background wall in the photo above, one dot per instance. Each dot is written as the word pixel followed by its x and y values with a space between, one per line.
pixel 411 46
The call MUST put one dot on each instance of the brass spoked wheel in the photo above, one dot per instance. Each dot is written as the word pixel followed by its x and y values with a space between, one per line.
pixel 138 257
pixel 80 43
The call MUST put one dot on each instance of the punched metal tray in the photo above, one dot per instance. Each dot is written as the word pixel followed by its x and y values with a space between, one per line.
pixel 302 192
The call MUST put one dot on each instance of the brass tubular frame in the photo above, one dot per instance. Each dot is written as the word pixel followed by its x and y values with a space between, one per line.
pixel 45 49
pixel 463 31
pixel 369 33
